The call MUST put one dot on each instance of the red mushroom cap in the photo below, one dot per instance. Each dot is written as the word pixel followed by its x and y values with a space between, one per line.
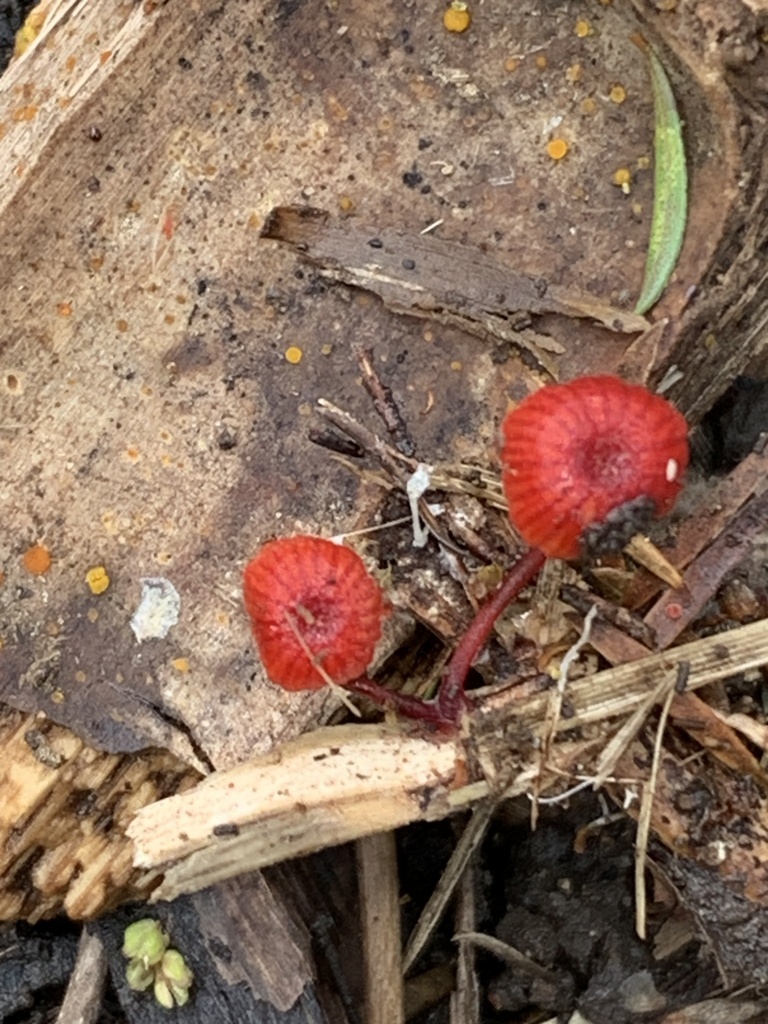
pixel 323 591
pixel 579 455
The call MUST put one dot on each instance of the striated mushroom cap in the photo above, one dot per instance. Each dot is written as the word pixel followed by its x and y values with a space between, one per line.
pixel 321 591
pixel 586 464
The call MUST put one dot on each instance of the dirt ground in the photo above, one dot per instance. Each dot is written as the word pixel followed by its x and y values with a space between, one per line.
pixel 210 210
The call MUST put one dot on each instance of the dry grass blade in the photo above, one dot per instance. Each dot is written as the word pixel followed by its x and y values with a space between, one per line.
pixel 430 917
pixel 644 821
pixel 508 954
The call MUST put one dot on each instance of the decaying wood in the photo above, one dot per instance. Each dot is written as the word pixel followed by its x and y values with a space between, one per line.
pixel 342 783
pixel 264 948
pixel 429 277
pixel 63 814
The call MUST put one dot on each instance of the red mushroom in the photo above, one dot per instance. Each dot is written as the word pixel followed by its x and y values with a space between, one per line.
pixel 315 609
pixel 587 464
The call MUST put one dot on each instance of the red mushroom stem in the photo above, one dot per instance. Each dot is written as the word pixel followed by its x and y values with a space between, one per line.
pixel 446 710
pixel 451 700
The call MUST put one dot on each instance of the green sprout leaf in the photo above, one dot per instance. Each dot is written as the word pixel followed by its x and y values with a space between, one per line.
pixel 670 179
pixel 146 941
pixel 152 963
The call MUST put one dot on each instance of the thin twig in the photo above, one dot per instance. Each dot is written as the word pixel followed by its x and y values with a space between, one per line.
pixel 82 1000
pixel 380 912
pixel 433 912
pixel 644 820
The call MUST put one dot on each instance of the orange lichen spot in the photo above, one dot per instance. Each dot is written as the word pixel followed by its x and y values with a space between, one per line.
pixel 293 355
pixel 541 61
pixel 557 149
pixel 346 204
pixel 37 559
pixel 617 94
pixel 62 102
pixel 623 179
pixel 511 64
pixel 25 113
pixel 457 17
pixel 64 308
pixel 181 664
pixel 122 326
pixel 70 63
pixel 254 222
pixel 2 577
pixel 96 263
pixel 573 74
pixel 169 318
pixel 104 56
pixel 583 28
pixel 133 453
pixel 588 105
pixel 97 579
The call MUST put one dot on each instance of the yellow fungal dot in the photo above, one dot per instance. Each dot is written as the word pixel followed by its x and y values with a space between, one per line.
pixel 293 355
pixel 541 61
pixel 457 18
pixel 181 664
pixel 623 178
pixel 37 559
pixel 64 309
pixel 97 579
pixel 346 204
pixel 573 74
pixel 583 28
pixel 617 94
pixel 456 364
pixel 557 148
pixel 588 105
pixel 511 64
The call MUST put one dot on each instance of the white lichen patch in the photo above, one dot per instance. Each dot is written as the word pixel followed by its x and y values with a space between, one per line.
pixel 158 609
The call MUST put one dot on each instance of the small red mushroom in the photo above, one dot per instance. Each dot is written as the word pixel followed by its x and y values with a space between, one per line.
pixel 315 609
pixel 587 464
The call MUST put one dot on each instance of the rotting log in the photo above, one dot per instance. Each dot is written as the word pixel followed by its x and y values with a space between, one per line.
pixel 104 241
